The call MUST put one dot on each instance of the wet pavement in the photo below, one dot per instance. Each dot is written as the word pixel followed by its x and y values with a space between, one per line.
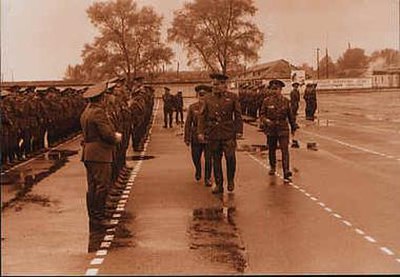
pixel 340 214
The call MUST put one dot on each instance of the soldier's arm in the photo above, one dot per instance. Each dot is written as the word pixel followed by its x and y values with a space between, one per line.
pixel 291 118
pixel 202 118
pixel 104 126
pixel 188 125
pixel 238 117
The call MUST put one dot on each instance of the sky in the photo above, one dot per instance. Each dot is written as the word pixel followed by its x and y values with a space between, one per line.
pixel 40 38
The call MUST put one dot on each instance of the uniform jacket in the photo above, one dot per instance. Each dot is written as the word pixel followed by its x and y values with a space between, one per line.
pixel 169 102
pixel 294 96
pixel 276 115
pixel 191 123
pixel 220 116
pixel 98 133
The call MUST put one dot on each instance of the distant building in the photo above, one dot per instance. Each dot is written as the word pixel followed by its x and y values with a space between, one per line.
pixel 262 73
pixel 387 78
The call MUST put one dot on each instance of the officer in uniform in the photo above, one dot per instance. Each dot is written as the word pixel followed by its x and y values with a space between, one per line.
pixel 220 123
pixel 100 139
pixel 310 96
pixel 179 108
pixel 276 115
pixel 191 137
pixel 295 98
pixel 168 100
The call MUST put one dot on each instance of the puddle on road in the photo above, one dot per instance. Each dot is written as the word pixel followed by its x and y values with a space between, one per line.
pixel 20 181
pixel 214 234
pixel 138 158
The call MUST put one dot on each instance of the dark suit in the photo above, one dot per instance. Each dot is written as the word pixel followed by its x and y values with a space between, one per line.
pixel 99 144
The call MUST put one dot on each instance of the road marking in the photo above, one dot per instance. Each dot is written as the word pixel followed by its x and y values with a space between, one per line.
pixel 97 261
pixel 387 251
pixel 108 237
pixel 101 252
pixel 352 146
pixel 347 223
pixel 307 194
pixel 370 239
pixel 116 215
pixel 92 272
pixel 105 244
pixel 359 231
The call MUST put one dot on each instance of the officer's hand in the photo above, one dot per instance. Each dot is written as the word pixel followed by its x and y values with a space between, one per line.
pixel 201 137
pixel 239 135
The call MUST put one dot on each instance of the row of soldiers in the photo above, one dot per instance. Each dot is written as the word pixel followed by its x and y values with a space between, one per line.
pixel 116 113
pixel 29 116
pixel 251 98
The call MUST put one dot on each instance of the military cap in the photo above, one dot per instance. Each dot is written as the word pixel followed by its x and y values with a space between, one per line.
pixel 205 88
pixel 4 93
pixel 95 90
pixel 219 76
pixel 276 83
pixel 167 88
pixel 315 85
pixel 309 85
pixel 295 84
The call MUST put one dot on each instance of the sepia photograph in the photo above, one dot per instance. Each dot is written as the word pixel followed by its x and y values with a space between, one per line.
pixel 200 137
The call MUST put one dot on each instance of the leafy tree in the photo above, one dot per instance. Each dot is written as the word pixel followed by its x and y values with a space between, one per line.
pixel 353 58
pixel 74 73
pixel 129 42
pixel 323 67
pixel 217 34
pixel 385 58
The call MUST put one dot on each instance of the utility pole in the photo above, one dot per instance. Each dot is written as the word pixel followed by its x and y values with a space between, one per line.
pixel 317 63
pixel 177 70
pixel 326 63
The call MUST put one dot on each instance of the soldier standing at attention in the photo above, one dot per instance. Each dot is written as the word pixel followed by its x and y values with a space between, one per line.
pixel 179 108
pixel 310 96
pixel 168 100
pixel 276 115
pixel 100 139
pixel 220 123
pixel 191 137
pixel 295 98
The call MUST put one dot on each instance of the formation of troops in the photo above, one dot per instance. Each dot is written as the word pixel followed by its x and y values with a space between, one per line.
pixel 32 118
pixel 113 113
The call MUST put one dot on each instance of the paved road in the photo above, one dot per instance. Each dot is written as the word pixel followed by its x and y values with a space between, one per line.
pixel 340 214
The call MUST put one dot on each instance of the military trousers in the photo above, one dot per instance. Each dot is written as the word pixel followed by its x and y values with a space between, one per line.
pixel 311 107
pixel 272 141
pixel 294 107
pixel 197 150
pixel 218 148
pixel 99 176
pixel 179 115
pixel 168 117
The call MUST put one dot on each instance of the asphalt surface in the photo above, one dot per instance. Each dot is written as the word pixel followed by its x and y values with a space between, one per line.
pixel 339 215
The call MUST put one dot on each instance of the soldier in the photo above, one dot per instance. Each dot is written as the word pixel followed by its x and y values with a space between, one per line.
pixel 220 122
pixel 310 96
pixel 275 116
pixel 100 139
pixel 7 126
pixel 295 98
pixel 168 100
pixel 191 137
pixel 179 108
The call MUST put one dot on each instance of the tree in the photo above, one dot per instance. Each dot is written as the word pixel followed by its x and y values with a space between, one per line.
pixel 129 42
pixel 385 58
pixel 217 33
pixel 75 73
pixel 323 67
pixel 352 63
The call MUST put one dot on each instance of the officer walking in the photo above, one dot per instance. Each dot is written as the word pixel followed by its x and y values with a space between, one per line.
pixel 168 100
pixel 310 96
pixel 276 115
pixel 100 139
pixel 220 122
pixel 191 137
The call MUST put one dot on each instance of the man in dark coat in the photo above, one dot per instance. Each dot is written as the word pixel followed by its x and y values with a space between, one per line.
pixel 275 117
pixel 220 122
pixel 191 137
pixel 169 104
pixel 179 108
pixel 99 142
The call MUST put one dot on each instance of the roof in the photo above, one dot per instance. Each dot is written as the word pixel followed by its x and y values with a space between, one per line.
pixel 279 69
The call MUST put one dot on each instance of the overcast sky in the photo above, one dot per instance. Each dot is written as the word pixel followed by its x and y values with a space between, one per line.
pixel 39 38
